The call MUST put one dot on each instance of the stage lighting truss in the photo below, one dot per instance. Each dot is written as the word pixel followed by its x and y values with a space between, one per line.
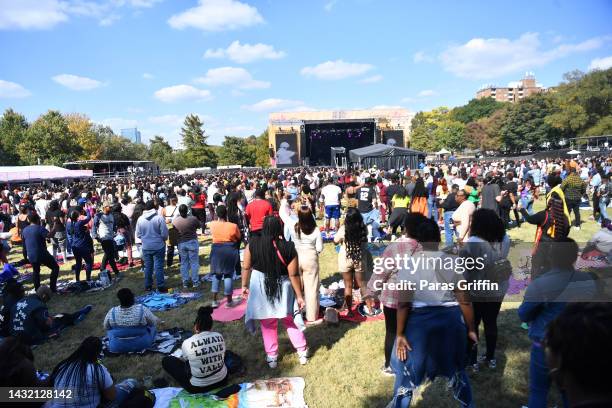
pixel 351 133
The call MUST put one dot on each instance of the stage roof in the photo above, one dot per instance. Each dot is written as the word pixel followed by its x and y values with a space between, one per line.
pixel 386 156
pixel 39 173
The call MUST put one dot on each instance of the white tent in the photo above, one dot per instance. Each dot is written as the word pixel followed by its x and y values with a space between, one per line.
pixel 12 174
pixel 573 152
pixel 443 151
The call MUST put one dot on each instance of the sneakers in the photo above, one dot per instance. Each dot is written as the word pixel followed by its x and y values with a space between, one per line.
pixel 82 313
pixel 475 368
pixel 214 304
pixel 233 303
pixel 492 363
pixel 185 285
pixel 387 371
pixel 272 361
pixel 303 356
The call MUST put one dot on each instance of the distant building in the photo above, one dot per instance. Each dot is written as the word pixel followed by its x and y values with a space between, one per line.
pixel 132 134
pixel 515 91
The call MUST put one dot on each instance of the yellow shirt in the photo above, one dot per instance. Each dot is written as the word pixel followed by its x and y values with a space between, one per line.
pixel 400 202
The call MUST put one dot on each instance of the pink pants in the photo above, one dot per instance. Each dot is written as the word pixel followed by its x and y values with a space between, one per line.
pixel 269 333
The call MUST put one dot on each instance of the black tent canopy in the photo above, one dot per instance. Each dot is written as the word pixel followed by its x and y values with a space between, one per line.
pixel 385 157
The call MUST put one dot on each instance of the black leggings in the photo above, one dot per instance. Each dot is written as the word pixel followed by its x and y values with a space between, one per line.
pixel 49 261
pixel 487 313
pixel 181 372
pixel 390 332
pixel 108 246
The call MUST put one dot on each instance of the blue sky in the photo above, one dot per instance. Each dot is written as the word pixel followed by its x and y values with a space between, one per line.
pixel 148 63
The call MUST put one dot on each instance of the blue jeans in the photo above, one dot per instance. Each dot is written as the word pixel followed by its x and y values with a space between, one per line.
pixel 603 209
pixel 154 260
pixel 462 392
pixel 432 208
pixel 124 388
pixel 190 259
pixel 527 204
pixel 227 284
pixel 448 231
pixel 131 339
pixel 539 380
pixel 372 218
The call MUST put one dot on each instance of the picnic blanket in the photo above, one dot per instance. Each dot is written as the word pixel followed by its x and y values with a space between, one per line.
pixel 166 301
pixel 515 285
pixel 328 236
pixel 283 392
pixel 70 286
pixel 592 260
pixel 165 342
pixel 333 296
pixel 224 314
pixel 121 267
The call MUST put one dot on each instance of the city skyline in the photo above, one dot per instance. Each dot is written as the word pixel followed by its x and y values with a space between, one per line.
pixel 149 63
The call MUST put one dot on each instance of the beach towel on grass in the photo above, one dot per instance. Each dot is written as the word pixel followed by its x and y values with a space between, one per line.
pixel 66 286
pixel 223 314
pixel 166 301
pixel 165 342
pixel 285 392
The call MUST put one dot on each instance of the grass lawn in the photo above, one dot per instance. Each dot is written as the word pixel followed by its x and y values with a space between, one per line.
pixel 344 368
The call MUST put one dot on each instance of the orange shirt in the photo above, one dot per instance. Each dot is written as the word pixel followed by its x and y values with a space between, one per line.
pixel 223 231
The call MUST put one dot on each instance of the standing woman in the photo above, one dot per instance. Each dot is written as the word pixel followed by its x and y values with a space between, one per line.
pixel 488 242
pixel 223 256
pixel 308 244
pixel 170 212
pixel 271 280
pixel 433 326
pixel 186 228
pixel 352 237
pixel 418 202
pixel 399 202
pixel 80 241
pixel 442 192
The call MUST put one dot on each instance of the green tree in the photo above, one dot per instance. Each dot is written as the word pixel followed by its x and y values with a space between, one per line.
pixel 49 140
pixel 236 151
pixel 262 151
pixel 162 153
pixel 13 127
pixel 476 109
pixel 525 126
pixel 197 152
pixel 436 129
pixel 82 130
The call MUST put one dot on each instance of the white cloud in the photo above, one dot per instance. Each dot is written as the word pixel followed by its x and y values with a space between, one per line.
pixel 421 56
pixel 372 79
pixel 167 120
pixel 245 53
pixel 482 58
pixel 46 14
pixel 181 93
pixel 339 69
pixel 237 77
pixel 31 14
pixel 147 75
pixel 10 89
pixel 272 104
pixel 427 92
pixel 601 63
pixel 330 5
pixel 77 83
pixel 217 15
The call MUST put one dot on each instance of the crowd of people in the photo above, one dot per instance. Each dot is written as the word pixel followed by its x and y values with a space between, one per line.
pixel 263 227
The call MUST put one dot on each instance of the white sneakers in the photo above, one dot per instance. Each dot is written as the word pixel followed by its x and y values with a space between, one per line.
pixel 273 360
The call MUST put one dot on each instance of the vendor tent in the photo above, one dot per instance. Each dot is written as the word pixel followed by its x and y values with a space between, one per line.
pixel 385 157
pixel 15 174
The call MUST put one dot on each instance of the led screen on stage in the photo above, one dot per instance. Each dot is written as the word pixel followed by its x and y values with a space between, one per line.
pixel 393 137
pixel 287 150
pixel 321 137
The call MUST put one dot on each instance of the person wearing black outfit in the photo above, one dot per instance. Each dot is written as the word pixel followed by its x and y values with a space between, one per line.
pixel 449 205
pixel 35 241
pixel 509 200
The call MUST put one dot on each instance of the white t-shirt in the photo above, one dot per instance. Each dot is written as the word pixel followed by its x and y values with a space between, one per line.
pixel 206 355
pixel 331 194
pixel 83 395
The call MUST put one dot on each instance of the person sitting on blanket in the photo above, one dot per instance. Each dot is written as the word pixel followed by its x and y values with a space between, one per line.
pixel 89 381
pixel 31 321
pixel 202 366
pixel 13 292
pixel 130 327
pixel 601 241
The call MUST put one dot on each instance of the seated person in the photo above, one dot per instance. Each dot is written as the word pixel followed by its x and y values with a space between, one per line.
pixel 30 318
pixel 13 292
pixel 89 380
pixel 130 327
pixel 202 366
pixel 17 365
pixel 601 241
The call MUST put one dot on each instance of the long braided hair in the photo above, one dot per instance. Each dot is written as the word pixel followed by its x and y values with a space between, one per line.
pixel 355 234
pixel 558 226
pixel 265 249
